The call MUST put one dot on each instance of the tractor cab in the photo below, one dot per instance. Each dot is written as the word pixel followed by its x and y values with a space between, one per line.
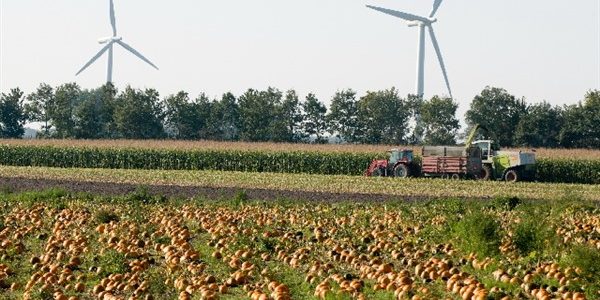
pixel 404 155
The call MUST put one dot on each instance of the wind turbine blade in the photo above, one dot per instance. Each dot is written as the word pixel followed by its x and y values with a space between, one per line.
pixel 113 20
pixel 398 14
pixel 439 55
pixel 95 57
pixel 136 53
pixel 436 5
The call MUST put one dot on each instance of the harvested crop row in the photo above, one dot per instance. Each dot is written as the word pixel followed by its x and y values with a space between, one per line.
pixel 421 188
pixel 309 162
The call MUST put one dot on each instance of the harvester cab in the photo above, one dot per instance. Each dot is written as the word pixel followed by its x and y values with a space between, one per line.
pixel 505 165
pixel 488 150
pixel 502 165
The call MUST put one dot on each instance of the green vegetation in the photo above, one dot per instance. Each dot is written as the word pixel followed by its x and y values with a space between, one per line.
pixel 530 235
pixel 309 162
pixel 587 259
pixel 478 232
pixel 376 117
pixel 568 170
pixel 105 216
pixel 150 159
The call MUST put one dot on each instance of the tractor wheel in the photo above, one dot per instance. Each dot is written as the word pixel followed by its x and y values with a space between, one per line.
pixel 511 176
pixel 379 172
pixel 486 173
pixel 401 171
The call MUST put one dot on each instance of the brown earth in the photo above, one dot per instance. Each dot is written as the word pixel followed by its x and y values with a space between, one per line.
pixel 16 184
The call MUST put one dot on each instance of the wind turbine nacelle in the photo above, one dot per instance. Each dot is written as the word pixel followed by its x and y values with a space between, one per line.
pixel 109 39
pixel 420 23
pixel 104 40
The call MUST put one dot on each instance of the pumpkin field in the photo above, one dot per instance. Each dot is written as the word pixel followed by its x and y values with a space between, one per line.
pixel 60 245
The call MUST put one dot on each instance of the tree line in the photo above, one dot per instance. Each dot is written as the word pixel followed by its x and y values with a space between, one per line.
pixel 271 115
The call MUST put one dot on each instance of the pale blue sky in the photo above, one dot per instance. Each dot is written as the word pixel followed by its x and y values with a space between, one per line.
pixel 539 49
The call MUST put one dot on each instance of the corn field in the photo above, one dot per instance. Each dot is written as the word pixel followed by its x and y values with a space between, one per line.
pixel 584 154
pixel 168 159
pixel 308 162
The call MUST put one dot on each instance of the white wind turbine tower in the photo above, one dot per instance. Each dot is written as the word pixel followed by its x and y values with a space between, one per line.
pixel 110 41
pixel 422 23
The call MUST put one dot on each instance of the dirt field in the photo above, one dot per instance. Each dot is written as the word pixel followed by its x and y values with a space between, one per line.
pixel 14 184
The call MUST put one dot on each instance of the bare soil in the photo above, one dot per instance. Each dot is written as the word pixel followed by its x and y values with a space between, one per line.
pixel 16 184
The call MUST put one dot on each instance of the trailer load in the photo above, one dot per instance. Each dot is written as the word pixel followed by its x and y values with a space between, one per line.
pixel 451 162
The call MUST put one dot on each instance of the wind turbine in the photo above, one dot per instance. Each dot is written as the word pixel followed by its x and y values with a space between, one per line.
pixel 110 41
pixel 423 23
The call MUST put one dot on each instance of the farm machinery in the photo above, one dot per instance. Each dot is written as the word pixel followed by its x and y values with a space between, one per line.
pixel 502 165
pixel 442 161
pixel 481 159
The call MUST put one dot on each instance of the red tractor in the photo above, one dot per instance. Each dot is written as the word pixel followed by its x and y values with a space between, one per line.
pixel 400 164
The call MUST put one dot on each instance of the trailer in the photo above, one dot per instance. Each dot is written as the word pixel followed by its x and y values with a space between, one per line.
pixel 451 162
pixel 436 161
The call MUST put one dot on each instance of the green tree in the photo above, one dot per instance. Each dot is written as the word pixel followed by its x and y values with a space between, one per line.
pixel 66 98
pixel 591 127
pixel 206 111
pixel 12 114
pixel 39 107
pixel 383 118
pixel 257 112
pixel 580 128
pixel 315 123
pixel 139 114
pixel 182 117
pixel 440 124
pixel 228 113
pixel 343 116
pixel 94 114
pixel 291 116
pixel 499 112
pixel 540 126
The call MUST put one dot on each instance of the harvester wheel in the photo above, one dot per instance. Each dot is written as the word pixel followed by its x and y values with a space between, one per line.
pixel 486 172
pixel 511 176
pixel 401 171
